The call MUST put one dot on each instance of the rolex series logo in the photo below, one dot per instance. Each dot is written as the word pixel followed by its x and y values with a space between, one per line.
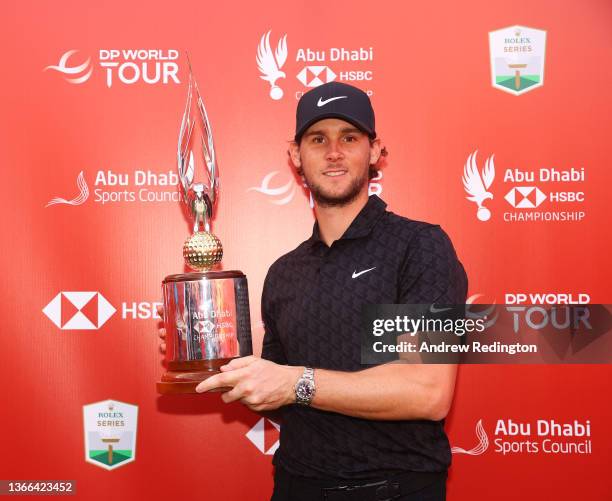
pixel 517 59
pixel 110 433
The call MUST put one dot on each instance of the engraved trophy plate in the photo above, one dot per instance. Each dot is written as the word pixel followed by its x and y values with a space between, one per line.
pixel 206 313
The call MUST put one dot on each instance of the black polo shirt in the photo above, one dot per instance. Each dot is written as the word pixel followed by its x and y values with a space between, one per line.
pixel 311 308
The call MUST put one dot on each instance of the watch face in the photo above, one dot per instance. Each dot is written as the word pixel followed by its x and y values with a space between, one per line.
pixel 304 390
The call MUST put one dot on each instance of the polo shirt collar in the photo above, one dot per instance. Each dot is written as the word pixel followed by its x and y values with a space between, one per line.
pixel 363 223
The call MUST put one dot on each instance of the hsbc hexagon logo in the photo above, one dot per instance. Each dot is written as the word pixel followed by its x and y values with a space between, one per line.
pixel 525 197
pixel 313 76
pixel 77 310
pixel 264 435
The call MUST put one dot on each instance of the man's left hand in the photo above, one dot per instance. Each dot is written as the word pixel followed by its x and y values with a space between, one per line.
pixel 259 384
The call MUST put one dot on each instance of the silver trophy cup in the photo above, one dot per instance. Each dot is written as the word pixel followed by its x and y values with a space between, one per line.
pixel 206 313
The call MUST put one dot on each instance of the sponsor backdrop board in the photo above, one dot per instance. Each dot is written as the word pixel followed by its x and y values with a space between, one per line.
pixel 496 119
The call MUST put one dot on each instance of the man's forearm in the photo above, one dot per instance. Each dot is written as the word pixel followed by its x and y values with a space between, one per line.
pixel 387 392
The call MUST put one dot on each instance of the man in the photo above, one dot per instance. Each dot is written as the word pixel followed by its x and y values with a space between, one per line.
pixel 349 432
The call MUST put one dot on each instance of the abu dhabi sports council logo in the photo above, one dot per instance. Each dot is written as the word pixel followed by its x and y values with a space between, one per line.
pixel 78 199
pixel 78 310
pixel 110 186
pixel 270 63
pixel 110 433
pixel 264 435
pixel 280 195
pixel 540 436
pixel 480 448
pixel 311 67
pixel 124 66
pixel 70 72
pixel 517 59
pixel 477 183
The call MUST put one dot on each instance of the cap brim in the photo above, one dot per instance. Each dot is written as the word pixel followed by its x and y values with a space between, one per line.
pixel 351 120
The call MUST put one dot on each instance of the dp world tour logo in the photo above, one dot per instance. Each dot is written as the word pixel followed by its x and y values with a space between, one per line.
pixel 75 74
pixel 78 199
pixel 270 63
pixel 110 433
pixel 480 448
pixel 476 183
pixel 78 310
pixel 281 195
pixel 517 59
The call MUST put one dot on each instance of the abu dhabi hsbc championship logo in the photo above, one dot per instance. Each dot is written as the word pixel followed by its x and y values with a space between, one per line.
pixel 517 59
pixel 74 73
pixel 310 67
pixel 78 310
pixel 556 190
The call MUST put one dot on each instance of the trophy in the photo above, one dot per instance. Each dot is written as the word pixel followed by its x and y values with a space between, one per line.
pixel 206 313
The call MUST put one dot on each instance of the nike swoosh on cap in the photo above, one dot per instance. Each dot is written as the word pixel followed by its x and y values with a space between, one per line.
pixel 323 102
pixel 355 274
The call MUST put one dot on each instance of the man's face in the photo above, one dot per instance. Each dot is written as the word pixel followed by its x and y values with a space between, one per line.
pixel 335 158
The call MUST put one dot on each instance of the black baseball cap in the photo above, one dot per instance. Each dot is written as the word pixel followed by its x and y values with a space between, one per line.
pixel 335 100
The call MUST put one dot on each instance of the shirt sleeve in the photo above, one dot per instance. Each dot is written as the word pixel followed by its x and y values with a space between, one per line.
pixel 272 347
pixel 431 272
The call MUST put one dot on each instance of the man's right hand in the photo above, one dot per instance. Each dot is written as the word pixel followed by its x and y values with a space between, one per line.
pixel 162 331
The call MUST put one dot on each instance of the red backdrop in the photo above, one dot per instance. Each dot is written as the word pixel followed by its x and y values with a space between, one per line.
pixel 429 73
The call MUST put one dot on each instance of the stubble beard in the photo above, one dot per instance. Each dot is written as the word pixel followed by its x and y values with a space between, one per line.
pixel 327 199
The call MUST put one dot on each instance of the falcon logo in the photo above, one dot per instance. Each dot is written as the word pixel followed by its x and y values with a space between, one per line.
pixel 83 70
pixel 79 199
pixel 264 435
pixel 286 191
pixel 483 443
pixel 270 63
pixel 525 197
pixel 477 183
pixel 79 310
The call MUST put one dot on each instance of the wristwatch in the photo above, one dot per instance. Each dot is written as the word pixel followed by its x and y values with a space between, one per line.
pixel 305 387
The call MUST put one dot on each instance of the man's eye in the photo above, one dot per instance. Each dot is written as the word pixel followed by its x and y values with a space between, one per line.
pixel 350 139
pixel 317 139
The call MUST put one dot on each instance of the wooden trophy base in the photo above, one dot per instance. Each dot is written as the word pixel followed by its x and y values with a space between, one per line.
pixel 183 377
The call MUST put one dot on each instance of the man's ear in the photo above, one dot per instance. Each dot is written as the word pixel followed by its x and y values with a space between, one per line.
pixel 294 154
pixel 374 151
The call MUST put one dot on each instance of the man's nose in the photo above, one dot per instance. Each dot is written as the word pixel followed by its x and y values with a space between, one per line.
pixel 334 151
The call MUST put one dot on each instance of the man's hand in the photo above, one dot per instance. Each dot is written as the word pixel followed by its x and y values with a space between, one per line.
pixel 259 384
pixel 162 331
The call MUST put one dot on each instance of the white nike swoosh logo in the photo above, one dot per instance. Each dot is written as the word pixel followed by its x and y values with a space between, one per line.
pixel 433 309
pixel 355 274
pixel 324 102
